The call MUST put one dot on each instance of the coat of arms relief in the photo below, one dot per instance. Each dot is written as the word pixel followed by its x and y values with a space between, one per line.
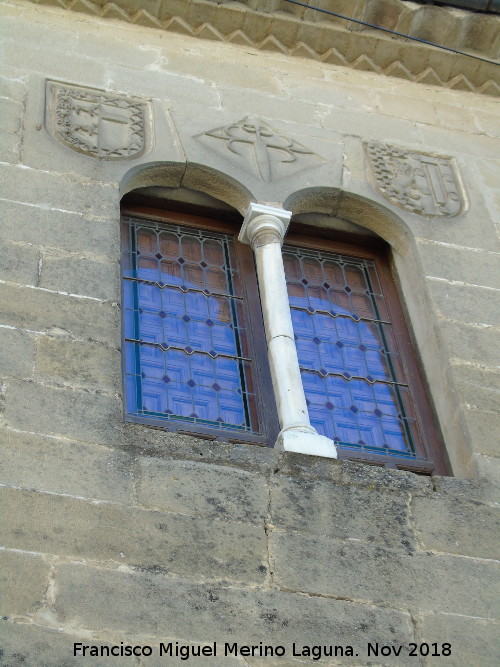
pixel 424 184
pixel 253 144
pixel 96 123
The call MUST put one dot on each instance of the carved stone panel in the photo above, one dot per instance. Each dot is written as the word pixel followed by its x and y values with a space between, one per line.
pixel 95 123
pixel 420 183
pixel 253 144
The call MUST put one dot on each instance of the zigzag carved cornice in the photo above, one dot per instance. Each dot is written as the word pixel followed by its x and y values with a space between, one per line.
pixel 291 33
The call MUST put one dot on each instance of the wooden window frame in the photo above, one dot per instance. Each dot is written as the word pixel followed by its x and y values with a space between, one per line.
pixel 431 458
pixel 431 455
pixel 266 407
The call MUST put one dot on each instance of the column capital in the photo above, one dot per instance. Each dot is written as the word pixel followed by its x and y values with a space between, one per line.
pixel 260 219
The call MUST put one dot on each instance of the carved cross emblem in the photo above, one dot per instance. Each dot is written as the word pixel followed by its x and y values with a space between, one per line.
pixel 99 124
pixel 267 149
pixel 424 184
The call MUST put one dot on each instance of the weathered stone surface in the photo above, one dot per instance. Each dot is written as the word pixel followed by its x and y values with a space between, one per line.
pixel 351 473
pixel 59 190
pixel 281 32
pixel 151 541
pixel 441 139
pixel 381 576
pixel 19 263
pixel 161 606
pixel 13 88
pixel 322 508
pixel 489 470
pixel 241 101
pixel 9 147
pixel 26 645
pixel 49 62
pixel 51 227
pixel 157 660
pixel 476 377
pixel 67 412
pixel 474 641
pixel 484 425
pixel 38 310
pixel 179 446
pixel 24 580
pixel 81 276
pixel 11 117
pixel 476 397
pixel 457 526
pixel 202 490
pixel 471 343
pixel 468 304
pixel 61 466
pixel 362 123
pixel 214 69
pixel 473 266
pixel 78 364
pixel 178 89
pixel 17 353
pixel 460 489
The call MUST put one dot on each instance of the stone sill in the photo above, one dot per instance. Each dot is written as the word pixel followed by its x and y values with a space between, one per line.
pixel 144 441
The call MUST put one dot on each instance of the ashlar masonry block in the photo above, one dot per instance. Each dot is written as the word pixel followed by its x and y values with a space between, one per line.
pixel 202 490
pixel 62 466
pixel 474 641
pixel 81 276
pixel 344 511
pixel 52 228
pixel 41 310
pixel 17 351
pixel 24 578
pixel 384 576
pixel 78 364
pixel 28 645
pixel 19 263
pixel 86 416
pixel 150 541
pixel 163 606
pixel 469 528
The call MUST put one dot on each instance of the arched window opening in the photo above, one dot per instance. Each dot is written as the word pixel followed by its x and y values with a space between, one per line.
pixel 195 348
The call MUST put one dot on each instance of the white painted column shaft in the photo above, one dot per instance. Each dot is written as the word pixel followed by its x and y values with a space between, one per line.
pixel 264 228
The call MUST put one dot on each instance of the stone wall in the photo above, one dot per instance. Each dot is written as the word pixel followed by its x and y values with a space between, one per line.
pixel 120 533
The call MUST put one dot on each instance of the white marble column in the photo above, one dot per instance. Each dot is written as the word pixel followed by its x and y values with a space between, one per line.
pixel 264 227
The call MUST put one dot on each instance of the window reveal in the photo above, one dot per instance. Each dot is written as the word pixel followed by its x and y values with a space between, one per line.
pixel 187 349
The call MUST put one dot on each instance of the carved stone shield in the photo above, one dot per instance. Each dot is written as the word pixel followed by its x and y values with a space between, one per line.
pixel 102 125
pixel 420 183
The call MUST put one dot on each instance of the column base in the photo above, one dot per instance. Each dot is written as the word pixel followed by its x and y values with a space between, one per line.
pixel 306 441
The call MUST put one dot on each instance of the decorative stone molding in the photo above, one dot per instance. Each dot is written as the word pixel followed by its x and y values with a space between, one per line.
pixel 425 184
pixel 264 227
pixel 98 124
pixel 291 30
pixel 263 149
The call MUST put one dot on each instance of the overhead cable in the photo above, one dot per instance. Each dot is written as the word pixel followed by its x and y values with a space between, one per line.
pixel 393 32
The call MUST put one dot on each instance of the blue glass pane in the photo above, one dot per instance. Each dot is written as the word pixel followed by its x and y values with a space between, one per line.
pixel 352 376
pixel 176 371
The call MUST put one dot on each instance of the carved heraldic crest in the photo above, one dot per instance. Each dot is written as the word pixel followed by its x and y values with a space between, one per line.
pixel 420 183
pixel 99 124
pixel 268 152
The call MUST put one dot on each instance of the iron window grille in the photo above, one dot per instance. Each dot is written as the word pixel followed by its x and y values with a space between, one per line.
pixel 196 357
